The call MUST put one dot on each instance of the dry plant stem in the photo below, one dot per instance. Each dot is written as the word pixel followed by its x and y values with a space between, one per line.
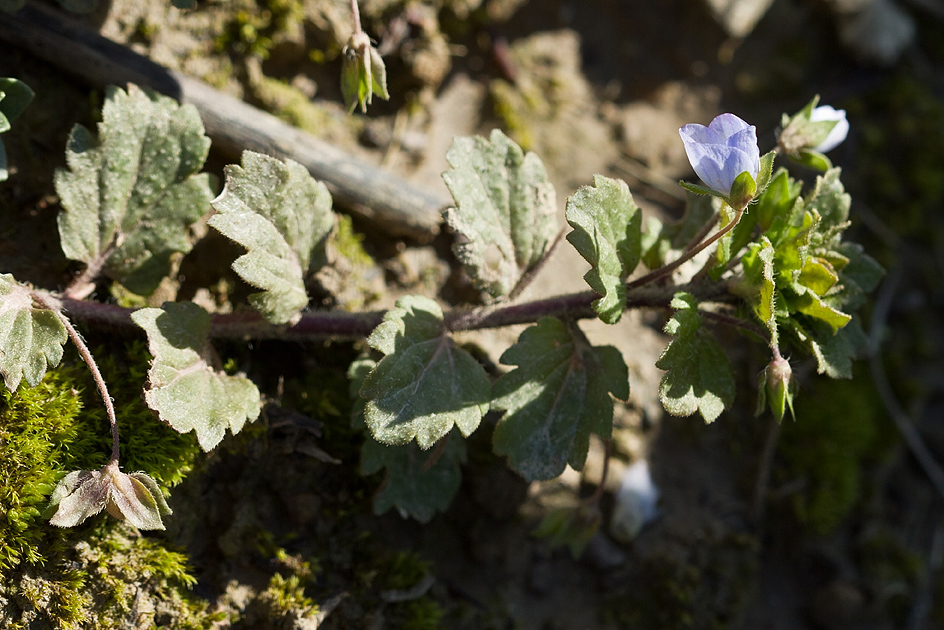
pixel 666 270
pixel 86 355
pixel 904 424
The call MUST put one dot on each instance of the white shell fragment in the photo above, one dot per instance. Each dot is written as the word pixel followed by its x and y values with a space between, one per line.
pixel 636 502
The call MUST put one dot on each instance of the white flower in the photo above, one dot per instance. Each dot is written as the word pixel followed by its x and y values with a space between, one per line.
pixel 839 132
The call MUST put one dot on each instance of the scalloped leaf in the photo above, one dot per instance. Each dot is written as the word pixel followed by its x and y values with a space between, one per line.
pixel 834 351
pixel 557 396
pixel 607 233
pixel 418 483
pixel 130 198
pixel 183 388
pixel 699 376
pixel 425 384
pixel 31 337
pixel 282 216
pixel 505 214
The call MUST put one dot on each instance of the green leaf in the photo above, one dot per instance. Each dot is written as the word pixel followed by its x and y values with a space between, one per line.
pixel 735 240
pixel 830 199
pixel 834 352
pixel 185 391
pixel 813 159
pixel 857 279
pixel 356 373
pixel 14 97
pixel 283 216
pixel 700 190
pixel 418 483
pixel 424 385
pixel 607 233
pixel 129 199
pixel 759 272
pixel 505 214
pixel 699 376
pixel 777 200
pixel 811 304
pixel 764 174
pixel 31 337
pixel 555 398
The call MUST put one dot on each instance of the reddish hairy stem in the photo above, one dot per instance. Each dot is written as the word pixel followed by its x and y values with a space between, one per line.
pixel 47 303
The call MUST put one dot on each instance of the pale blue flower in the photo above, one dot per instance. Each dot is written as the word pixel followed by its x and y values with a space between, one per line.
pixel 721 151
pixel 838 133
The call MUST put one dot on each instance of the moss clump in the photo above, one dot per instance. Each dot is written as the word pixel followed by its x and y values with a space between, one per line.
pixel 835 434
pixel 102 572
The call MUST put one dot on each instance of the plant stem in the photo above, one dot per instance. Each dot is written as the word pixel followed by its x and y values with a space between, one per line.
pixel 85 353
pixel 594 499
pixel 340 325
pixel 665 270
pixel 357 17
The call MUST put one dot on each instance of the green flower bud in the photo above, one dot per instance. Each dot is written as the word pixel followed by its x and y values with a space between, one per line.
pixel 363 73
pixel 775 389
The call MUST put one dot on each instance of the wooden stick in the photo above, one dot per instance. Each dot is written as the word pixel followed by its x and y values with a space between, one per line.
pixel 364 189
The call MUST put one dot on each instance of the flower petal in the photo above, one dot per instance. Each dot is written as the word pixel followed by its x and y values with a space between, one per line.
pixel 838 133
pixel 727 125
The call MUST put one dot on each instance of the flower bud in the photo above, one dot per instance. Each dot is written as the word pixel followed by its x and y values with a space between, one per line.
pixel 776 388
pixel 811 132
pixel 825 113
pixel 363 73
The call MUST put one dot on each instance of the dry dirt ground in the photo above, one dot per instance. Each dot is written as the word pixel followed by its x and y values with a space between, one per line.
pixel 598 86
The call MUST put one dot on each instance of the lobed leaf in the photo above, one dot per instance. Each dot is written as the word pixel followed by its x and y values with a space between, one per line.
pixel 699 376
pixel 424 385
pixel 607 233
pixel 283 217
pixel 183 388
pixel 418 483
pixel 129 198
pixel 505 212
pixel 555 398
pixel 834 351
pixel 31 337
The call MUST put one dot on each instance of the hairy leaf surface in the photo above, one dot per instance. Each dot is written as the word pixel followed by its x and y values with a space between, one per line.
pixel 505 212
pixel 607 233
pixel 558 395
pixel 425 384
pixel 31 337
pixel 418 483
pixel 130 197
pixel 759 271
pixel 183 388
pixel 699 376
pixel 283 216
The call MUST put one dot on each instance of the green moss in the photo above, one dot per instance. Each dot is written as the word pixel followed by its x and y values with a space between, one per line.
pixel 836 433
pixel 102 572
pixel 257 26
